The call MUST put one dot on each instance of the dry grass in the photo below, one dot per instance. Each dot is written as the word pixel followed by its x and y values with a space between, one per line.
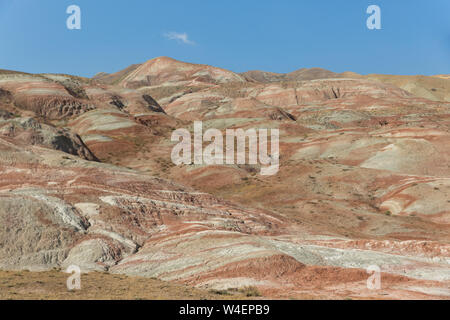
pixel 250 291
pixel 51 285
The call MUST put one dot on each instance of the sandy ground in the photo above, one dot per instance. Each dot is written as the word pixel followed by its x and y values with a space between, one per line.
pixel 100 286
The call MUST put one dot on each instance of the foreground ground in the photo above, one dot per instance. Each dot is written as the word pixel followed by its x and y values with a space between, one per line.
pixel 51 285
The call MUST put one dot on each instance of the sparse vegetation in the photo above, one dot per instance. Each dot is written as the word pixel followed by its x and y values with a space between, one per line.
pixel 250 291
pixel 220 292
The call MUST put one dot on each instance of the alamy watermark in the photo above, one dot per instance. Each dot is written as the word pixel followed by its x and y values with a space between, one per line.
pixel 235 152
pixel 74 281
pixel 73 22
pixel 374 21
pixel 374 281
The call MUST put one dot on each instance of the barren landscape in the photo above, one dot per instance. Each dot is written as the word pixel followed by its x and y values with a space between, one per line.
pixel 86 179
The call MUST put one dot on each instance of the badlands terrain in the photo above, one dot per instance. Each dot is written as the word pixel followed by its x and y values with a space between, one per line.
pixel 86 179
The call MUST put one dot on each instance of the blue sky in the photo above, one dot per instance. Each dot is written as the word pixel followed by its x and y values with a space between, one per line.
pixel 271 35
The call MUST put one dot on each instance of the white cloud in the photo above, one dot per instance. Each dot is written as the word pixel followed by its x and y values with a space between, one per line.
pixel 180 37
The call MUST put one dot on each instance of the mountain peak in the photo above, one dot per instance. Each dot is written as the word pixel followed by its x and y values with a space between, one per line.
pixel 162 59
pixel 167 70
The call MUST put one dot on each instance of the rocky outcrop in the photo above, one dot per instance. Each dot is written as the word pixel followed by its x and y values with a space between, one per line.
pixel 27 131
